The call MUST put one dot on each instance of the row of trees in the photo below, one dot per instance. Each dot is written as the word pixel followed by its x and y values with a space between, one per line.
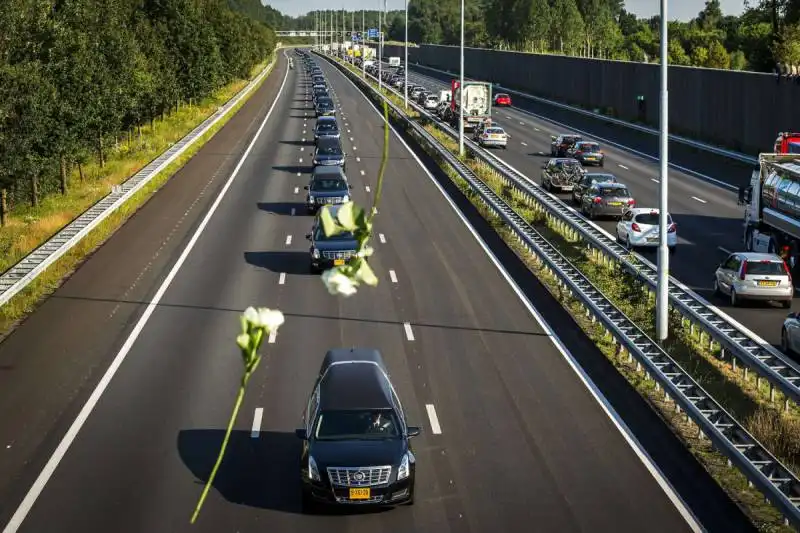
pixel 76 73
pixel 763 35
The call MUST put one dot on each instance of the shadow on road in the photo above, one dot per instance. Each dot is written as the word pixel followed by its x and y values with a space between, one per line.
pixel 283 208
pixel 292 263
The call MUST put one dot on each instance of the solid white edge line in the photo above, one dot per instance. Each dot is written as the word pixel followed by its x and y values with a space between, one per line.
pixel 47 472
pixel 723 250
pixel 409 331
pixel 434 420
pixel 256 429
pixel 282 278
pixel 393 276
pixel 620 424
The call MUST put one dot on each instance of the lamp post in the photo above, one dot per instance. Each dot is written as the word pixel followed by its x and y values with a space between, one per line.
pixel 405 64
pixel 662 297
pixel 380 44
pixel 461 91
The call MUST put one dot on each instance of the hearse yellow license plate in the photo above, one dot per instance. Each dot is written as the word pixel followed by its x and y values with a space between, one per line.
pixel 614 203
pixel 767 283
pixel 359 494
pixel 338 262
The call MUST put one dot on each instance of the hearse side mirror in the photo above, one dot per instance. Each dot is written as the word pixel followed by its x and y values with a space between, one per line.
pixel 413 431
pixel 308 236
pixel 305 187
pixel 301 434
pixel 544 165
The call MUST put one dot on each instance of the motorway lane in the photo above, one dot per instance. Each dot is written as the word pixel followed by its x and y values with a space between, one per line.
pixel 51 362
pixel 133 466
pixel 708 218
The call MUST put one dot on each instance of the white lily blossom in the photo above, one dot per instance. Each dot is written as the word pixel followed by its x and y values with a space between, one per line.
pixel 271 319
pixel 338 283
pixel 366 252
pixel 251 315
pixel 243 341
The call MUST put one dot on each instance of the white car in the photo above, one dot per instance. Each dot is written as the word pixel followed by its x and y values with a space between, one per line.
pixel 493 137
pixel 431 102
pixel 639 228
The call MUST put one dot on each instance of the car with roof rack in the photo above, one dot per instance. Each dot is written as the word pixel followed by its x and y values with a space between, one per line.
pixel 356 441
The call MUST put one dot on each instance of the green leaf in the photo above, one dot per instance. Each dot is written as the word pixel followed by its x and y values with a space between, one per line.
pixel 348 216
pixel 329 224
pixel 365 274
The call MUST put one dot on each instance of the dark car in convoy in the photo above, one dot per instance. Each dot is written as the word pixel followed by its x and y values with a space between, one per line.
pixel 562 143
pixel 587 181
pixel 588 153
pixel 324 106
pixel 328 185
pixel 356 440
pixel 320 93
pixel 607 199
pixel 327 252
pixel 329 152
pixel 326 127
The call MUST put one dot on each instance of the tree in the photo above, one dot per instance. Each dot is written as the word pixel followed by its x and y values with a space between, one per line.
pixel 718 57
pixel 787 46
pixel 710 17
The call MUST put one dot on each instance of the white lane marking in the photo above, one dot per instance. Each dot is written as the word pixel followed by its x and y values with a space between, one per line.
pixel 537 129
pixel 521 123
pixel 508 117
pixel 393 276
pixel 366 188
pixel 301 148
pixel 523 143
pixel 47 472
pixel 296 190
pixel 272 336
pixel 288 240
pixel 435 427
pixel 358 159
pixel 355 147
pixel 607 408
pixel 301 159
pixel 654 180
pixel 622 166
pixel 351 139
pixel 362 172
pixel 699 200
pixel 256 430
pixel 723 250
pixel 382 238
pixel 409 332
pixel 304 139
pixel 298 173
pixel 348 131
pixel 293 211
pixel 282 278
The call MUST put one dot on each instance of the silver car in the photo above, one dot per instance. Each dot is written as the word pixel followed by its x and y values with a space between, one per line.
pixel 754 276
pixel 790 334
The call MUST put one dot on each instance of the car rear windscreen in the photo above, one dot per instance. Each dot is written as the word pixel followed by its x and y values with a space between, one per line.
pixel 650 219
pixel 589 147
pixel 765 268
pixel 619 192
pixel 327 126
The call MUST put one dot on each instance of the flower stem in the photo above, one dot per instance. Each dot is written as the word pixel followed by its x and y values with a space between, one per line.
pixel 231 422
pixel 384 161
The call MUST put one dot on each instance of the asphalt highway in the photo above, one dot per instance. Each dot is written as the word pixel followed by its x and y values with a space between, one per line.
pixel 710 223
pixel 511 435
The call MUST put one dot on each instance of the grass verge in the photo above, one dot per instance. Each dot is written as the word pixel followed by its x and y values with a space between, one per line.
pixel 32 227
pixel 743 395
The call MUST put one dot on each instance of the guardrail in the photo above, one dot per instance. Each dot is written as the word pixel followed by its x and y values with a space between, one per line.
pixel 733 338
pixel 16 278
pixel 780 486
pixel 744 158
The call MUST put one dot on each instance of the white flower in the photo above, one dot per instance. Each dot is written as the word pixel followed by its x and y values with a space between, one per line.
pixel 270 319
pixel 243 341
pixel 251 315
pixel 338 283
pixel 366 252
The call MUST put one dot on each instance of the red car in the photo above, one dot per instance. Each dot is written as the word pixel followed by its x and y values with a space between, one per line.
pixel 502 99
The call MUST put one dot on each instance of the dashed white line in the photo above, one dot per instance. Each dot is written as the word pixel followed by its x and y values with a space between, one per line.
pixel 508 117
pixel 521 123
pixel 409 332
pixel 282 278
pixel 351 139
pixel 723 250
pixel 654 180
pixel 293 211
pixel 288 240
pixel 355 147
pixel 699 200
pixel 393 276
pixel 622 166
pixel 358 159
pixel 298 173
pixel 435 427
pixel 523 143
pixel 301 159
pixel 272 336
pixel 362 172
pixel 382 238
pixel 348 131
pixel 301 148
pixel 296 190
pixel 256 431
pixel 366 188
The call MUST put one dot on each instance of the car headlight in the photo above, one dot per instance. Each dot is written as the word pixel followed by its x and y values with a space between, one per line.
pixel 404 469
pixel 345 198
pixel 314 253
pixel 310 199
pixel 316 161
pixel 313 472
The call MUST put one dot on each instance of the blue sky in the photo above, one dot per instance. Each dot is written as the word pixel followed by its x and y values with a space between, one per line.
pixel 678 9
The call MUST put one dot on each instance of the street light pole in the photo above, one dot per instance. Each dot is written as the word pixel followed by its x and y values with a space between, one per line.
pixel 363 47
pixel 662 297
pixel 380 56
pixel 405 65
pixel 461 90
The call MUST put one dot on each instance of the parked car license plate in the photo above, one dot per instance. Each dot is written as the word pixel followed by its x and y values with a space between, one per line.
pixel 767 283
pixel 359 493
